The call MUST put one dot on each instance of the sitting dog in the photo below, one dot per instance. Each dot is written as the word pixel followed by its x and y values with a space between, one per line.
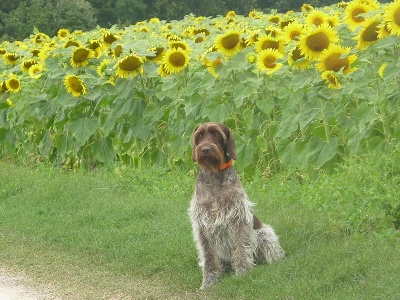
pixel 226 231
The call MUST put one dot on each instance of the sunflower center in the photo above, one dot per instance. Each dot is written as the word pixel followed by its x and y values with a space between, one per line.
pixel 371 33
pixel 230 41
pixel 318 21
pixel 269 61
pixel 396 16
pixel 318 41
pixel 13 84
pixel 75 85
pixel 109 38
pixel 270 44
pixel 297 54
pixel 177 59
pixel 294 35
pixel 356 15
pixel 130 63
pixel 335 63
pixel 332 79
pixel 80 55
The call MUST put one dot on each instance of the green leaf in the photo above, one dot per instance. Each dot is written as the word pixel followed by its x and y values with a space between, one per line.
pixel 288 124
pixel 308 112
pixel 320 152
pixel 328 151
pixel 46 144
pixel 245 152
pixel 248 117
pixel 266 105
pixel 240 93
pixel 83 129
pixel 103 150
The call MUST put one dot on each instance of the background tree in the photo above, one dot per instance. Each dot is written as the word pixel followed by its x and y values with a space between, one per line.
pixel 48 16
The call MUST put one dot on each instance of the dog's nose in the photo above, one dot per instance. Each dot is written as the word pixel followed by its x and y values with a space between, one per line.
pixel 205 150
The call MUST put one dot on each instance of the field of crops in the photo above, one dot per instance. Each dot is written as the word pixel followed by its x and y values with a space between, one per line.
pixel 301 90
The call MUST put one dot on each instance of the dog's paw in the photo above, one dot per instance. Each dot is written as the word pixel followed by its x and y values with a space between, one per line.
pixel 209 280
pixel 241 269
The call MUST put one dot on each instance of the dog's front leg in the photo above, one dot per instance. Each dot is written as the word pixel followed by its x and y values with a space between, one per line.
pixel 209 261
pixel 243 254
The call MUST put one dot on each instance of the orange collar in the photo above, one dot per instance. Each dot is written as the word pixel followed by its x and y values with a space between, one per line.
pixel 226 165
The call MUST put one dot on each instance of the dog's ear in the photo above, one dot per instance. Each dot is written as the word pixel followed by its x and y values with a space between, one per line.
pixel 230 143
pixel 194 144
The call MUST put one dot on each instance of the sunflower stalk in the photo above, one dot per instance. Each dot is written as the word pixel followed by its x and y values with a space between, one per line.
pixel 325 120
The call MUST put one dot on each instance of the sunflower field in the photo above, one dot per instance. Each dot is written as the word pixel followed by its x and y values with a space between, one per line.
pixel 300 90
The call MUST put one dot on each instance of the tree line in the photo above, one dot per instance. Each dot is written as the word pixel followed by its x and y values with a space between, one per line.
pixel 19 17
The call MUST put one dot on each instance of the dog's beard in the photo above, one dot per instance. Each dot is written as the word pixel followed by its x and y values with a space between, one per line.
pixel 211 161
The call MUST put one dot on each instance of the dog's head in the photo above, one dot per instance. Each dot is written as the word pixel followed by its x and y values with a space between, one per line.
pixel 213 145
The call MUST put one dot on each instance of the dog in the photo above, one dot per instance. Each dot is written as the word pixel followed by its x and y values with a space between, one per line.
pixel 227 233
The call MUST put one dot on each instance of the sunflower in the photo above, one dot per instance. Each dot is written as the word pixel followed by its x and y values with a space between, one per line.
pixel 74 85
pixel 27 64
pixel 275 19
pixel 316 40
pixel 199 39
pixel 316 18
pixel 331 78
pixel 40 38
pixel 162 71
pixel 231 14
pixel 268 42
pixel 9 102
pixel 71 43
pixel 180 44
pixel 369 33
pixel 3 87
pixel 306 8
pixel 102 67
pixel 252 38
pixel 80 57
pixel 129 65
pixel 118 51
pixel 175 60
pixel 154 21
pixel 63 33
pixel 267 60
pixel 229 43
pixel 158 51
pixel 384 31
pixel 353 13
pixel 95 46
pixel 251 58
pixel 392 17
pixel 109 38
pixel 297 60
pixel 212 64
pixel 11 58
pixel 336 58
pixel 13 84
pixel 293 31
pixel 35 71
pixel 382 69
pixel 333 20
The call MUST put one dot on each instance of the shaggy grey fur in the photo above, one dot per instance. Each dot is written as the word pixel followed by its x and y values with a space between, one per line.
pixel 226 232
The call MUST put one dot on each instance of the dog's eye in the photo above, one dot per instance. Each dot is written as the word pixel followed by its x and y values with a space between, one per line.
pixel 216 134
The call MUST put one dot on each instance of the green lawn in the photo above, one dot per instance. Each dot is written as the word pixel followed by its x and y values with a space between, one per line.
pixel 125 233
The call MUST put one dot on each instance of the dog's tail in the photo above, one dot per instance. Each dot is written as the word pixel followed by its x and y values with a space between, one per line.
pixel 268 248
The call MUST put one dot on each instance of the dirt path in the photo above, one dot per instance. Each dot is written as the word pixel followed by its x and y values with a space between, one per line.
pixel 16 286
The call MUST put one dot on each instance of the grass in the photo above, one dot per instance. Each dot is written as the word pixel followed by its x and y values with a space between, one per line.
pixel 125 234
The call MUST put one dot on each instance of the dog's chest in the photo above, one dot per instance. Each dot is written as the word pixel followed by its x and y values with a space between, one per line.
pixel 220 205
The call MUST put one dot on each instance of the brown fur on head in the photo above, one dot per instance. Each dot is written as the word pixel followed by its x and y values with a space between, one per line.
pixel 213 145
